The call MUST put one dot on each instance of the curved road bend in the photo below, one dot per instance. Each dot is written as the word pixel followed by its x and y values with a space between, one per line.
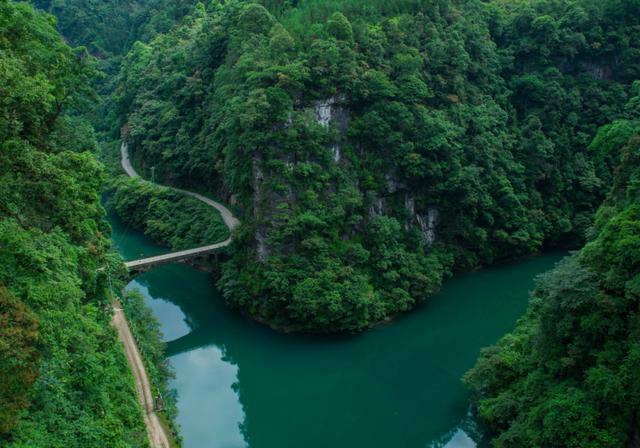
pixel 230 220
pixel 155 430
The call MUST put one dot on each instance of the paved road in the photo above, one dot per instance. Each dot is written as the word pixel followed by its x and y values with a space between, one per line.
pixel 228 218
pixel 126 163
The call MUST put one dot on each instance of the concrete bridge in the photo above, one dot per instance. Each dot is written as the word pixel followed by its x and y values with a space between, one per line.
pixel 181 255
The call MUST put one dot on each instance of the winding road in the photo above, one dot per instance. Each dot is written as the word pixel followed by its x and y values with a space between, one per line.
pixel 156 432
pixel 230 221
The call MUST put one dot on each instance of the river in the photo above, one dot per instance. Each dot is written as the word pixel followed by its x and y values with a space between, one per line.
pixel 240 384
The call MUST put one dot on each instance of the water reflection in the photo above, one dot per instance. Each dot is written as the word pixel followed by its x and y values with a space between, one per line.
pixel 217 412
pixel 173 327
pixel 460 439
pixel 240 384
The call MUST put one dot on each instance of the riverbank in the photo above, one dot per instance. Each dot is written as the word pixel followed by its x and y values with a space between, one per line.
pixel 186 348
pixel 241 384
pixel 395 385
pixel 229 370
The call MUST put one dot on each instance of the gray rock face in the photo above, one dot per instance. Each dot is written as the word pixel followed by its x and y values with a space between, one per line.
pixel 262 250
pixel 266 205
pixel 335 151
pixel 329 112
pixel 410 204
pixel 258 175
pixel 378 207
pixel 392 182
pixel 257 179
pixel 426 222
pixel 597 71
pixel 324 111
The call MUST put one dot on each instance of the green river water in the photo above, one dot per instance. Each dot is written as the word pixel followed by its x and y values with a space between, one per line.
pixel 240 384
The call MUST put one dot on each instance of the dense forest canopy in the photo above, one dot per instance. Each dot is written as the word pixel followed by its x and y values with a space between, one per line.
pixel 568 375
pixel 373 148
pixel 64 380
pixel 108 28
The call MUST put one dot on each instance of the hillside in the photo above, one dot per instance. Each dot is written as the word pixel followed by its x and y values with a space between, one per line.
pixel 370 150
pixel 64 380
pixel 568 374
pixel 371 161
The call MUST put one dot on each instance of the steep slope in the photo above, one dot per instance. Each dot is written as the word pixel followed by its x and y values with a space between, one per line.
pixel 64 380
pixel 108 28
pixel 567 376
pixel 374 149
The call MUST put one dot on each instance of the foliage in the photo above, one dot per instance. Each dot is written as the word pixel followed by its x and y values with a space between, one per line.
pixel 472 129
pixel 108 28
pixel 166 215
pixel 372 147
pixel 64 381
pixel 567 375
pixel 19 355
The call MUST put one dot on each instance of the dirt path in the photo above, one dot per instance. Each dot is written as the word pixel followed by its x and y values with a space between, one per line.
pixel 157 436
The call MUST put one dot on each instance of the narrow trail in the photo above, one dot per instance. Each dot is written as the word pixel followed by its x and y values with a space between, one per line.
pixel 156 432
pixel 157 436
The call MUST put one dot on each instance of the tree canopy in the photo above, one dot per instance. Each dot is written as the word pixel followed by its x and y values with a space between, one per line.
pixel 567 375
pixel 64 380
pixel 424 137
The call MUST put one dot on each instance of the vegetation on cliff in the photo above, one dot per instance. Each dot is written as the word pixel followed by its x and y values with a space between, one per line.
pixel 567 376
pixel 374 148
pixel 64 379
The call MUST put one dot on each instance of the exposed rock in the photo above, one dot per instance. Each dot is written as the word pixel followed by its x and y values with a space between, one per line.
pixel 330 112
pixel 289 161
pixel 323 110
pixel 378 207
pixel 393 184
pixel 426 222
pixel 335 150
pixel 258 175
pixel 597 71
pixel 262 250
pixel 410 204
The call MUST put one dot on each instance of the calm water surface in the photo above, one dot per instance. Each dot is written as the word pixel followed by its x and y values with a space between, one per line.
pixel 240 384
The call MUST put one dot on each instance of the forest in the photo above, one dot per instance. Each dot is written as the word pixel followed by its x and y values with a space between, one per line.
pixel 371 150
pixel 64 379
pixel 370 162
pixel 569 371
